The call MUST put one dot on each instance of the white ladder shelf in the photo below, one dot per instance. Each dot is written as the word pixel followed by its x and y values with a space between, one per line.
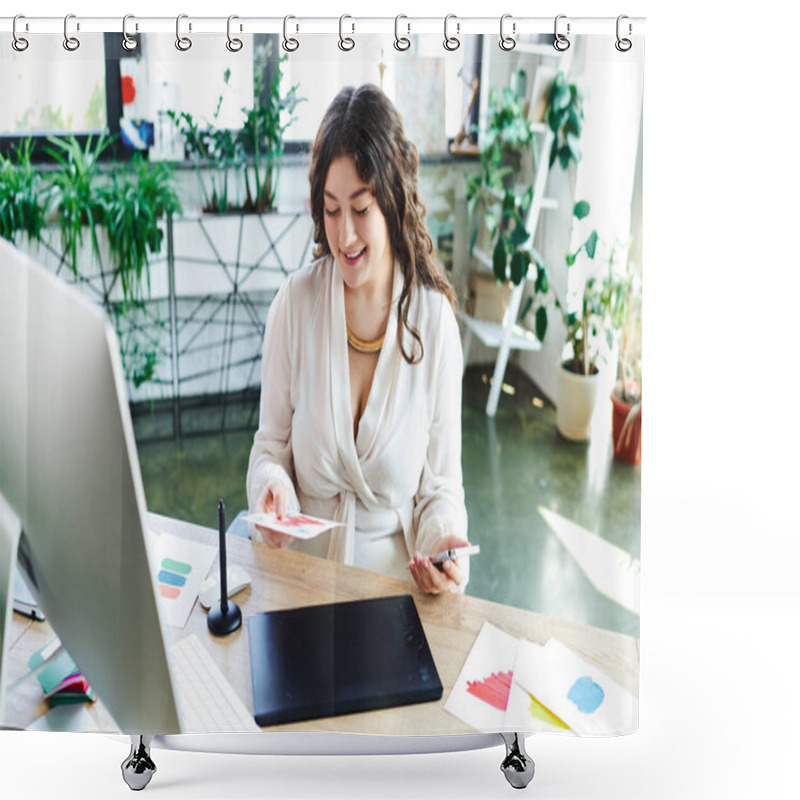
pixel 508 335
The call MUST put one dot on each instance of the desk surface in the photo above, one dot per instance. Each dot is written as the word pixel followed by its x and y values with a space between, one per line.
pixel 287 579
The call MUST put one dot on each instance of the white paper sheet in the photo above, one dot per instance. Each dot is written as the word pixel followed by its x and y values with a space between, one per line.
pixel 525 712
pixel 179 568
pixel 480 694
pixel 580 694
pixel 293 523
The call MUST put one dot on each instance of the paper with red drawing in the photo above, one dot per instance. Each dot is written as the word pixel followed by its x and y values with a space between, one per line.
pixel 293 523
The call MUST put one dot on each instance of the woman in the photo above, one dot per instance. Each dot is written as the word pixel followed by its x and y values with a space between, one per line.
pixel 361 374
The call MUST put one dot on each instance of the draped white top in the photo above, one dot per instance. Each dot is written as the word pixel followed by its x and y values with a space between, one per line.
pixel 403 471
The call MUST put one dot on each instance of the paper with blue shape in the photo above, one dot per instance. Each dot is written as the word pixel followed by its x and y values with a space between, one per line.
pixel 578 693
pixel 586 694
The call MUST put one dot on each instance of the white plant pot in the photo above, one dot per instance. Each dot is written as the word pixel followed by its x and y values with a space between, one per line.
pixel 577 396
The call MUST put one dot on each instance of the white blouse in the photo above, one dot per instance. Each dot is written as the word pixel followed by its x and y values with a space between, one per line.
pixel 402 473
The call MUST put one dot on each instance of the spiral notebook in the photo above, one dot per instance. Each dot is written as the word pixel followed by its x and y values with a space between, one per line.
pixel 339 658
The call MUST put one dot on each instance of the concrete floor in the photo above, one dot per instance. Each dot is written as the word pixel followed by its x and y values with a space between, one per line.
pixel 558 523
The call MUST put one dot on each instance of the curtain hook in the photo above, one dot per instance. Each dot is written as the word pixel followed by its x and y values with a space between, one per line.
pixel 290 44
pixel 507 42
pixel 623 45
pixel 71 43
pixel 233 44
pixel 19 43
pixel 345 43
pixel 561 43
pixel 128 42
pixel 183 43
pixel 401 43
pixel 451 42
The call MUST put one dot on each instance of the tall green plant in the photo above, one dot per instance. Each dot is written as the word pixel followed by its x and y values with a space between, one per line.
pixel 252 152
pixel 133 202
pixel 261 135
pixel 492 202
pixel 76 203
pixel 206 144
pixel 594 310
pixel 24 198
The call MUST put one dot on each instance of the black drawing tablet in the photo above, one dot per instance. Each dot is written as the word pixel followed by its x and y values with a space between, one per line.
pixel 339 658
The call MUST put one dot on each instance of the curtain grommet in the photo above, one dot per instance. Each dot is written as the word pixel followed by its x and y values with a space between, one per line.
pixel 19 43
pixel 507 43
pixel 451 43
pixel 623 44
pixel 128 42
pixel 401 43
pixel 561 43
pixel 233 44
pixel 345 42
pixel 289 44
pixel 71 43
pixel 183 43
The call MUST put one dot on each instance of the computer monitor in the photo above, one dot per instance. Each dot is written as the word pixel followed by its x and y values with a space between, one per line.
pixel 69 470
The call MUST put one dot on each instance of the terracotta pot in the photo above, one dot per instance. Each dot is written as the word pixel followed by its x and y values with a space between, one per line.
pixel 626 428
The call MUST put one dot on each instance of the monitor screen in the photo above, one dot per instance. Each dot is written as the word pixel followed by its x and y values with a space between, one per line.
pixel 69 470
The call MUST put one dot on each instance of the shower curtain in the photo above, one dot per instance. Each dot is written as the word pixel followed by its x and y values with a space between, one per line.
pixel 163 172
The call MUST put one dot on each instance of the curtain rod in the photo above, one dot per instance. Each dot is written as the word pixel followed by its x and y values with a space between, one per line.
pixel 299 25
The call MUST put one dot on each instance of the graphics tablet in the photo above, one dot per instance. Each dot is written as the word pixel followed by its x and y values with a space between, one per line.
pixel 339 658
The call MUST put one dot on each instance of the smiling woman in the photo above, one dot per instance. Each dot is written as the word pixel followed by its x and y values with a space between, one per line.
pixel 361 372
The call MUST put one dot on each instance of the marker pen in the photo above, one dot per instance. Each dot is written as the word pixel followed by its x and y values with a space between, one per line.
pixel 455 552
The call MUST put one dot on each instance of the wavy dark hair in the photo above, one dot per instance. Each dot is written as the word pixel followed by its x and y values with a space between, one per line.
pixel 364 124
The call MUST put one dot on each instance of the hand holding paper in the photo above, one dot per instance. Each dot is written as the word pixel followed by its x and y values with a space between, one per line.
pixel 272 502
pixel 292 524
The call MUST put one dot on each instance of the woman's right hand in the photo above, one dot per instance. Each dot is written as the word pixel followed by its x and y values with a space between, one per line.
pixel 274 500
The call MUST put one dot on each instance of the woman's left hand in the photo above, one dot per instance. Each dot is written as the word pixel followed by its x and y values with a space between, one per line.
pixel 429 577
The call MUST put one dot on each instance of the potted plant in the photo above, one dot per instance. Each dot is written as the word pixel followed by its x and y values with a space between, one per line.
pixel 252 153
pixel 77 206
pixel 137 197
pixel 590 318
pixel 626 397
pixel 503 206
pixel 24 197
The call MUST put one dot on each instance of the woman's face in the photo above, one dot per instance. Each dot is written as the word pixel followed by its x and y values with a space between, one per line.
pixel 356 230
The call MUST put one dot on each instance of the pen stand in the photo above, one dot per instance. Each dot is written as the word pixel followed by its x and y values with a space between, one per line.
pixel 225 616
pixel 224 620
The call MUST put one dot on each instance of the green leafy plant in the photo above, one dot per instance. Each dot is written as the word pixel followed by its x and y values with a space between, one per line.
pixel 134 201
pixel 252 152
pixel 261 135
pixel 208 144
pixel 492 199
pixel 76 202
pixel 593 311
pixel 139 351
pixel 564 116
pixel 24 198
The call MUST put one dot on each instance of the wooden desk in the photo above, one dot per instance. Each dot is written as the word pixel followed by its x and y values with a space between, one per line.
pixel 286 579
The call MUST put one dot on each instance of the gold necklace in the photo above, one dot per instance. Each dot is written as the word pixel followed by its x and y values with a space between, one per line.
pixel 362 345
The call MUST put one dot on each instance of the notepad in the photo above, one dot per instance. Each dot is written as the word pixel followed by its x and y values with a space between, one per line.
pixel 340 658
